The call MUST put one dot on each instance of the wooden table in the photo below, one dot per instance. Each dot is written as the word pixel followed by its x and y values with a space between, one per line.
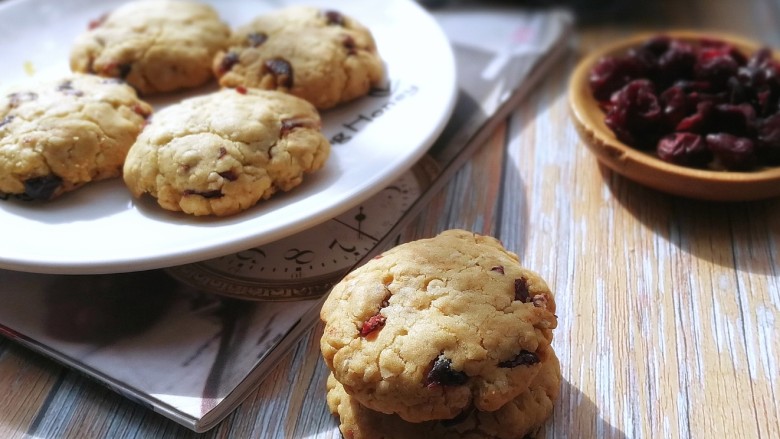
pixel 668 307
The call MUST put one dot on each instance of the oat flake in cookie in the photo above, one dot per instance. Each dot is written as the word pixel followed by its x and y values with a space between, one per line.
pixel 155 45
pixel 323 56
pixel 59 135
pixel 520 418
pixel 219 154
pixel 436 327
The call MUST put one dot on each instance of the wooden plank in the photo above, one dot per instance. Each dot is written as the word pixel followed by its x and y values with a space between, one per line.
pixel 26 382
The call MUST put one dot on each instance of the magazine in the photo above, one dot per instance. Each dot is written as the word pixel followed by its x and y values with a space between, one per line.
pixel 191 342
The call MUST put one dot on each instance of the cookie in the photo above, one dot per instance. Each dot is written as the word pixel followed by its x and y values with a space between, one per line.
pixel 322 56
pixel 435 326
pixel 221 153
pixel 59 135
pixel 520 418
pixel 156 46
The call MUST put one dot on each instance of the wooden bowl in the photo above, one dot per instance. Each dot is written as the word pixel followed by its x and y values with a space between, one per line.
pixel 644 167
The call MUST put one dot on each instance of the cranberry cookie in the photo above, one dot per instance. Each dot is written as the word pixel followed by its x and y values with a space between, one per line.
pixel 156 46
pixel 322 56
pixel 435 326
pixel 221 153
pixel 518 419
pixel 57 136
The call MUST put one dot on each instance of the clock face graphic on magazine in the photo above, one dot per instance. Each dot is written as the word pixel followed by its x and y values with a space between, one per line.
pixel 307 264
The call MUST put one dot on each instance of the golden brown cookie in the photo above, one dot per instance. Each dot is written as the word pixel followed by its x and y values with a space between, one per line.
pixel 520 418
pixel 435 326
pixel 155 45
pixel 221 153
pixel 58 135
pixel 322 56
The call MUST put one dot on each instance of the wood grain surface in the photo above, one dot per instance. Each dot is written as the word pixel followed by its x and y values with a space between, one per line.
pixel 668 307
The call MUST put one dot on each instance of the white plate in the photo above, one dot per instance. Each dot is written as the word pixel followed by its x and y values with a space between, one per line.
pixel 101 229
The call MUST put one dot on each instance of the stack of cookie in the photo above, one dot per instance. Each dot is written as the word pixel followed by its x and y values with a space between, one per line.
pixel 441 337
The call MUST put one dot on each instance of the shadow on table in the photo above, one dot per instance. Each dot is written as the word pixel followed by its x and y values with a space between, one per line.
pixel 733 235
pixel 577 416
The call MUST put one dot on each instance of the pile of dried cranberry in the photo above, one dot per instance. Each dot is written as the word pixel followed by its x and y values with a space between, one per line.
pixel 701 104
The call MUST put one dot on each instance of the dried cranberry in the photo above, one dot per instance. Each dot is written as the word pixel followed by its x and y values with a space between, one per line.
pixel 768 142
pixel 119 70
pixel 374 323
pixel 205 194
pixel 676 105
pixel 636 115
pixel 521 289
pixel 693 86
pixel 734 153
pixel 737 119
pixel 42 188
pixel 282 71
pixel 699 122
pixel 686 149
pixel 677 62
pixel 228 61
pixel 441 374
pixel 715 65
pixel 767 102
pixel 524 358
pixel 333 18
pixel 759 82
pixel 647 61
pixel 142 111
pixel 770 69
pixel 228 175
pixel 297 122
pixel 256 39
pixel 665 60
pixel 116 70
pixel 738 91
pixel 349 43
pixel 711 43
pixel 610 74
pixel 97 22
pixel 498 269
pixel 66 87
